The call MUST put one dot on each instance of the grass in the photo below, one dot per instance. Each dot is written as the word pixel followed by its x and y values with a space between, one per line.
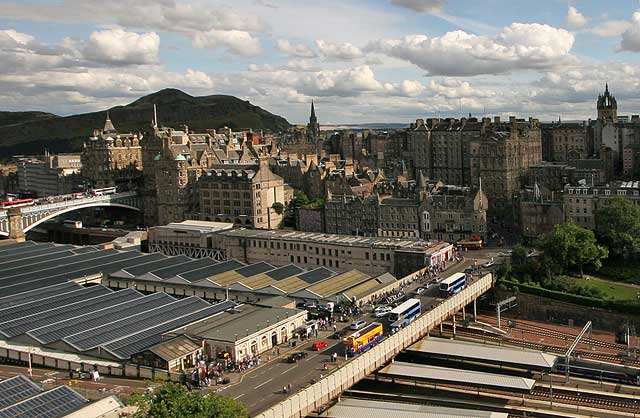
pixel 621 270
pixel 614 291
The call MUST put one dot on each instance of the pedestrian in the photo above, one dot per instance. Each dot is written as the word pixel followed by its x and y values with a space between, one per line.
pixel 284 389
pixel 289 387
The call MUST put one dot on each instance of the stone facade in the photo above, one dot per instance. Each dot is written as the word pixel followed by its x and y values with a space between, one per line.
pixel 351 215
pixel 110 158
pixel 582 201
pixel 244 196
pixel 50 175
pixel 566 142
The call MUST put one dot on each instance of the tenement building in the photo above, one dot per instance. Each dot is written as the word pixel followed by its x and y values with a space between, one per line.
pixel 566 142
pixel 461 151
pixel 453 213
pixel 244 195
pixel 581 202
pixel 110 158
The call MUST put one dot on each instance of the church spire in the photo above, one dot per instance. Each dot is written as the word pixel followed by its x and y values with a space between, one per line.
pixel 108 126
pixel 313 111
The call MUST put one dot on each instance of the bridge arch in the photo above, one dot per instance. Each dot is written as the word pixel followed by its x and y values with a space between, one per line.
pixel 73 208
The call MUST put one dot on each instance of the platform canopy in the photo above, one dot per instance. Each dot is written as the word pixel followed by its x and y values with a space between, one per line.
pixel 463 350
pixel 358 408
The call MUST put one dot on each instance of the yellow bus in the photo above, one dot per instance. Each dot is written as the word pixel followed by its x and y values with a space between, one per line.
pixel 362 340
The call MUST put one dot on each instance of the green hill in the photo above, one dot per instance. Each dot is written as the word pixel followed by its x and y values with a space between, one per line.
pixel 31 132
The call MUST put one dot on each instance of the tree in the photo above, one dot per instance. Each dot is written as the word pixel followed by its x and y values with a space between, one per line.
pixel 618 226
pixel 570 246
pixel 278 207
pixel 172 400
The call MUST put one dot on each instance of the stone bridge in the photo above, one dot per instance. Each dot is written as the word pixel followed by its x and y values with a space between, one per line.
pixel 15 222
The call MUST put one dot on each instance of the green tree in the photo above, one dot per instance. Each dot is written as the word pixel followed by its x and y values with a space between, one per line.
pixel 519 256
pixel 172 400
pixel 570 246
pixel 278 208
pixel 618 226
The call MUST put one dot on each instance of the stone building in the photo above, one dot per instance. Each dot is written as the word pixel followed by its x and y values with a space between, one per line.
pixel 351 215
pixel 453 213
pixel 110 158
pixel 540 210
pixel 566 142
pixel 244 195
pixel 582 201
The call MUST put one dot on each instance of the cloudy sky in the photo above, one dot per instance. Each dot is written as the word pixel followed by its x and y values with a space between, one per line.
pixel 361 61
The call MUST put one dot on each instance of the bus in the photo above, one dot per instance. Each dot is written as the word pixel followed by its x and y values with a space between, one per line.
pixel 404 313
pixel 473 243
pixel 101 192
pixel 453 284
pixel 362 340
pixel 16 203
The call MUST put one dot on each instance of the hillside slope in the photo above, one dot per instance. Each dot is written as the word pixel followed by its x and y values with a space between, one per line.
pixel 31 132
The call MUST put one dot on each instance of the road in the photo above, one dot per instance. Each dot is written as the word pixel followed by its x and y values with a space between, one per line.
pixel 262 387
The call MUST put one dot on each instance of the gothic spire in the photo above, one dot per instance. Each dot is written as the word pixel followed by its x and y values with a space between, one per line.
pixel 313 110
pixel 108 126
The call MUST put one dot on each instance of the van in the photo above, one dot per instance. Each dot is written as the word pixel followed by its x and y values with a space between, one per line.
pixel 381 311
pixel 355 325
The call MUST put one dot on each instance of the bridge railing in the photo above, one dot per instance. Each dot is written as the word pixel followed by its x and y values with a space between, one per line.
pixel 311 398
pixel 72 202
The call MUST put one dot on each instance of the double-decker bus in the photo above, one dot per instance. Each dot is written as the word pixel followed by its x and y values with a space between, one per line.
pixel 362 340
pixel 453 284
pixel 101 192
pixel 403 314
pixel 473 243
pixel 16 203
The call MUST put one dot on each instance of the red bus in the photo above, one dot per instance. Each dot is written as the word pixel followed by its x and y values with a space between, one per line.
pixel 473 243
pixel 15 203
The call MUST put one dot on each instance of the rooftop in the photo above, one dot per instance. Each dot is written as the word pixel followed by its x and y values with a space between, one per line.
pixel 334 239
pixel 465 350
pixel 358 408
pixel 199 226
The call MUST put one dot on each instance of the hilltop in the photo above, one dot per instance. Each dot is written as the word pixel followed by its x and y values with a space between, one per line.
pixel 31 132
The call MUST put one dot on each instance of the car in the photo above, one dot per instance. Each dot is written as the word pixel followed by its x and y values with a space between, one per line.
pixel 293 358
pixel 488 264
pixel 469 269
pixel 381 311
pixel 338 335
pixel 319 345
pixel 357 324
pixel 420 290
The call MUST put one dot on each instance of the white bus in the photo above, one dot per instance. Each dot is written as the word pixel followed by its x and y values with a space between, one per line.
pixel 404 313
pixel 453 284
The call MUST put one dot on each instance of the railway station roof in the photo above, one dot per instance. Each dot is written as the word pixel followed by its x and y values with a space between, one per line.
pixel 439 347
pixel 436 374
pixel 357 408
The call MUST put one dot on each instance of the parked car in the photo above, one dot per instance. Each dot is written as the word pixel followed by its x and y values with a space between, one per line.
pixel 420 290
pixel 356 325
pixel 293 358
pixel 381 311
pixel 319 345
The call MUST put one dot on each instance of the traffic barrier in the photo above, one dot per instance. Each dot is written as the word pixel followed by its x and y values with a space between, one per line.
pixel 322 392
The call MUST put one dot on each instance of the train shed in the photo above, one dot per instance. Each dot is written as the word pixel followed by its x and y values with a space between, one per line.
pixel 357 408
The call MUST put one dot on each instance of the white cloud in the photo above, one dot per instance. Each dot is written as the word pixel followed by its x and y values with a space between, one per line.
pixel 205 25
pixel 115 46
pixel 575 19
pixel 610 28
pixel 300 50
pixel 518 46
pixel 236 41
pixel 421 6
pixel 339 51
pixel 631 37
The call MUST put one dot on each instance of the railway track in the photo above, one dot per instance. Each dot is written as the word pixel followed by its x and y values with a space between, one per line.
pixel 570 337
pixel 599 400
pixel 608 358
